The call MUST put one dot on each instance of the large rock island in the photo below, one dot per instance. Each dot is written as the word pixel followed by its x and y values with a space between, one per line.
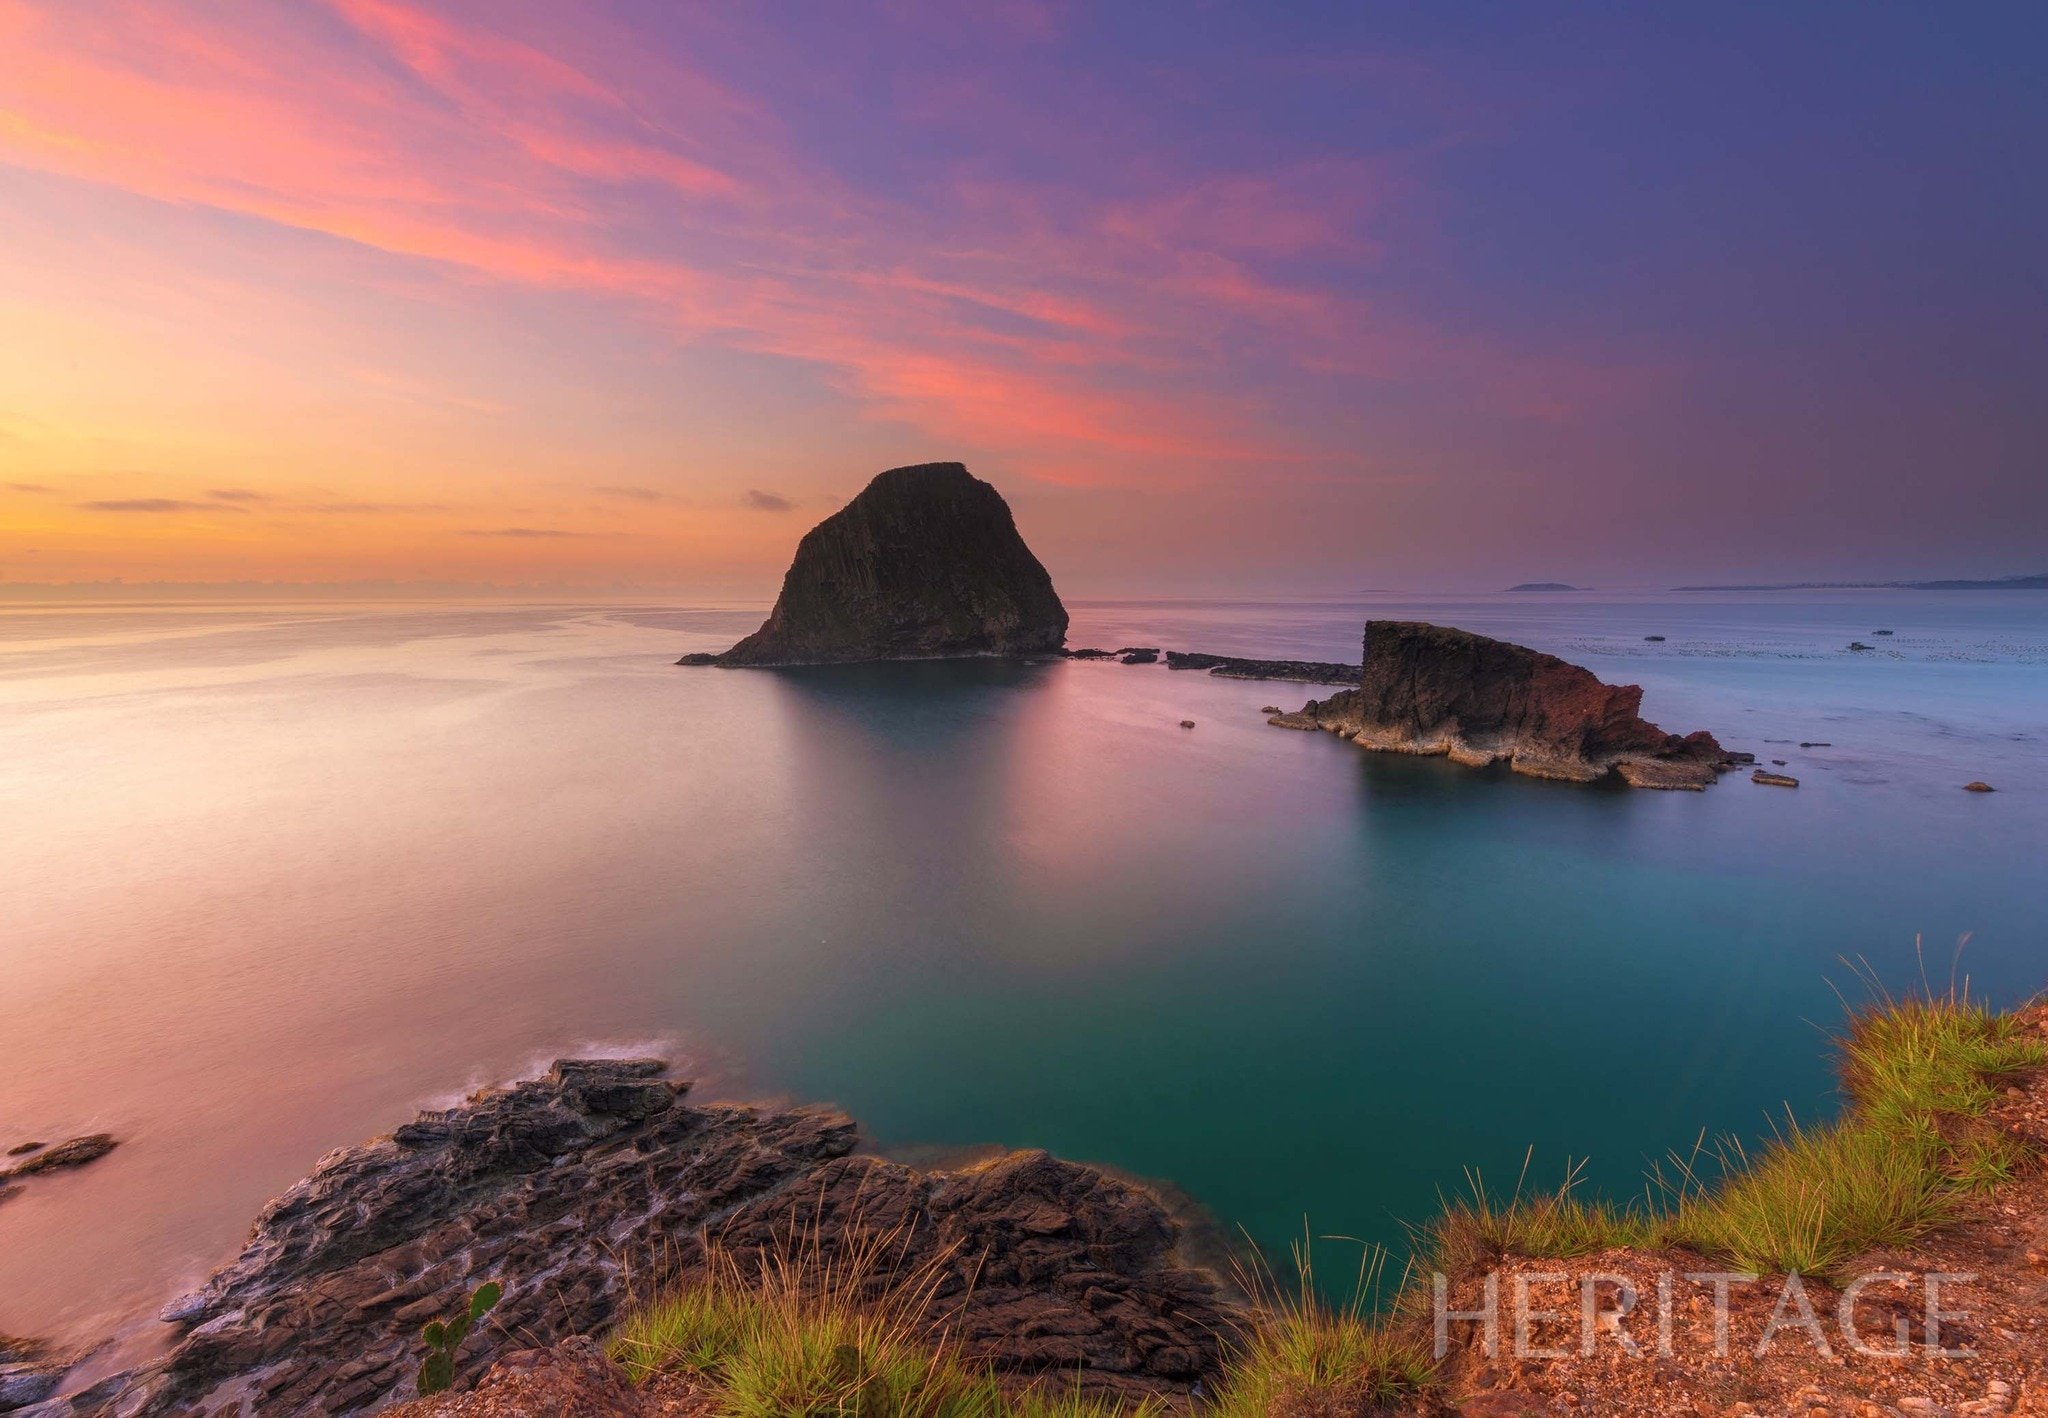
pixel 1431 689
pixel 926 563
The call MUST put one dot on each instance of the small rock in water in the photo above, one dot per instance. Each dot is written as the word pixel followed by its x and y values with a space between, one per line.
pixel 1773 780
pixel 1880 632
pixel 75 1153
pixel 1187 723
pixel 1653 637
pixel 1859 645
pixel 23 1149
pixel 1777 763
pixel 1269 709
pixel 1815 744
pixel 1980 786
pixel 1139 655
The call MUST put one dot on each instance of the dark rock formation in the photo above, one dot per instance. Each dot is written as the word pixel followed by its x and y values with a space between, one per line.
pixel 1979 786
pixel 1541 586
pixel 1430 689
pixel 925 563
pixel 1230 667
pixel 563 1187
pixel 1773 780
pixel 75 1153
pixel 29 1372
pixel 1139 655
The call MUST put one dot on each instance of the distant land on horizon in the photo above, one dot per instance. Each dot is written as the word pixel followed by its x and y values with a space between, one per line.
pixel 1543 586
pixel 2036 582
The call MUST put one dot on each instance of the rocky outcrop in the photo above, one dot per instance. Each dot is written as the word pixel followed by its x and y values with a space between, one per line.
pixel 29 1372
pixel 74 1153
pixel 925 563
pixel 566 1188
pixel 1231 667
pixel 1431 689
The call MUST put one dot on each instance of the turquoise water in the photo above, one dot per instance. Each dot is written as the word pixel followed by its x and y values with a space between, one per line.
pixel 280 875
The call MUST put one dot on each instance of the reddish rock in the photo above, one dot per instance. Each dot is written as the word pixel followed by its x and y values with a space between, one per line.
pixel 1432 689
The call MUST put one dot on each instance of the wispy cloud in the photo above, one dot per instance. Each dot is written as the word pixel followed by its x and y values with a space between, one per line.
pixel 156 504
pixel 237 494
pixel 630 494
pixel 526 533
pixel 38 488
pixel 767 501
pixel 1118 329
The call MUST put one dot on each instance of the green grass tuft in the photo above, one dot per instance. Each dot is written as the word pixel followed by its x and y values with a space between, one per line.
pixel 1307 1358
pixel 796 1334
pixel 1919 1072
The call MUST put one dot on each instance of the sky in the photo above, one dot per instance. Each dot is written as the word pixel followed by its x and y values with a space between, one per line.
pixel 1226 299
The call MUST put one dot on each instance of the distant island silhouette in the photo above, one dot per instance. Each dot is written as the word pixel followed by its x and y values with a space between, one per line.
pixel 1542 586
pixel 2036 582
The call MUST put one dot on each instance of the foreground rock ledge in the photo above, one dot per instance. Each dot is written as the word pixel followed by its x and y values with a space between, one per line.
pixel 1435 690
pixel 926 563
pixel 575 1188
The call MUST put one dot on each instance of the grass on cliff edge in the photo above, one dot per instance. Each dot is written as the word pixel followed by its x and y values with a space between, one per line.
pixel 1919 1073
pixel 797 1333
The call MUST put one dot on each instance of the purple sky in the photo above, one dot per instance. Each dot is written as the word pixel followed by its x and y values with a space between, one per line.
pixel 1224 298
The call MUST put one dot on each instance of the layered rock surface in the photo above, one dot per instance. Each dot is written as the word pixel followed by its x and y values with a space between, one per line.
pixel 1431 689
pixel 926 563
pixel 598 1180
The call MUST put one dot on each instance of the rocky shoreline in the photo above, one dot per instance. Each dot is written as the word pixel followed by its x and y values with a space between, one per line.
pixel 597 1183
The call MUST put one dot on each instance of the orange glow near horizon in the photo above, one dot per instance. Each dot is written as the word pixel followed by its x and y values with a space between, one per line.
pixel 620 294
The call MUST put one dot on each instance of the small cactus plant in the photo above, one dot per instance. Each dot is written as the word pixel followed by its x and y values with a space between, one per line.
pixel 444 1337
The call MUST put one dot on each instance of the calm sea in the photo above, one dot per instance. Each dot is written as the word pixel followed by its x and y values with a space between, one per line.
pixel 275 877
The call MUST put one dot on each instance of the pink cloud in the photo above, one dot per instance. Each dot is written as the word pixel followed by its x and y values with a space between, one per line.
pixel 1120 336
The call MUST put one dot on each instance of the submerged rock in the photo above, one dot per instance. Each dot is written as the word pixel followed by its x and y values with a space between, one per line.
pixel 73 1153
pixel 1431 689
pixel 1979 786
pixel 925 563
pixel 566 1188
pixel 1231 667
